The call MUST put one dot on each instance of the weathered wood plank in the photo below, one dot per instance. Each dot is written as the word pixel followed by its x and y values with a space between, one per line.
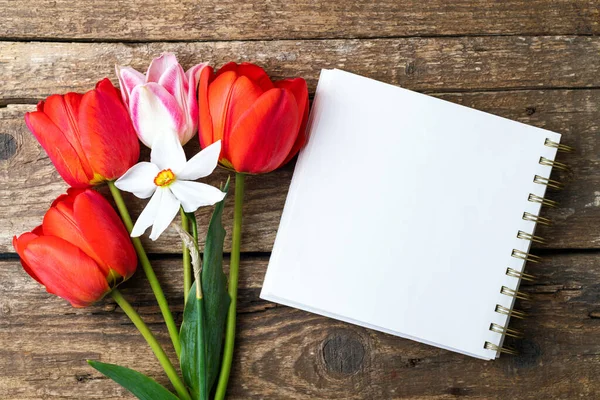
pixel 286 353
pixel 29 182
pixel 35 70
pixel 228 19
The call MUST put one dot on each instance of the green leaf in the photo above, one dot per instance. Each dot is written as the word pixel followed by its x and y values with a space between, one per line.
pixel 216 303
pixel 143 387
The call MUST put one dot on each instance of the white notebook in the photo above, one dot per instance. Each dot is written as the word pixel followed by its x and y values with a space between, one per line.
pixel 404 214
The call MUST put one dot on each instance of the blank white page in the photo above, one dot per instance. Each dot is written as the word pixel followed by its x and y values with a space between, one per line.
pixel 403 213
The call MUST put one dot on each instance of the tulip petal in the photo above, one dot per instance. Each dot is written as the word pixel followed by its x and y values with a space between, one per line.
pixel 155 112
pixel 20 243
pixel 159 65
pixel 244 94
pixel 193 195
pixel 174 80
pixel 63 111
pixel 230 66
pixel 168 153
pixel 66 271
pixel 139 180
pixel 105 234
pixel 193 77
pixel 219 94
pixel 59 221
pixel 202 164
pixel 264 135
pixel 168 209
pixel 148 215
pixel 95 229
pixel 257 74
pixel 107 135
pixel 205 125
pixel 129 78
pixel 73 169
pixel 300 91
pixel 251 71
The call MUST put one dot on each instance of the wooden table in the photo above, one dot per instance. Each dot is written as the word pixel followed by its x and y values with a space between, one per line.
pixel 535 61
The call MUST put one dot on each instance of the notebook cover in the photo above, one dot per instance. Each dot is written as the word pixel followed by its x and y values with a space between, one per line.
pixel 403 213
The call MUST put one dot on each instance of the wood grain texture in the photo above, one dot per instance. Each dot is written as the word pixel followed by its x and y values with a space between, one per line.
pixel 30 182
pixel 186 20
pixel 31 71
pixel 535 61
pixel 291 354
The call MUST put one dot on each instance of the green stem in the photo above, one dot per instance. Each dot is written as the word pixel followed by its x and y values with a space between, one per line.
pixel 234 266
pixel 187 263
pixel 154 345
pixel 150 275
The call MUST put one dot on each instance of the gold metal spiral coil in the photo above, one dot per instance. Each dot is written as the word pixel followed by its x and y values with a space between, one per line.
pixel 526 256
pixel 507 350
pixel 538 199
pixel 511 313
pixel 536 218
pixel 514 293
pixel 530 237
pixel 554 164
pixel 561 147
pixel 551 183
pixel 520 275
pixel 506 331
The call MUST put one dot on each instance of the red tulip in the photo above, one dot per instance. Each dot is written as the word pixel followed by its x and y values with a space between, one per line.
pixel 81 251
pixel 89 137
pixel 261 123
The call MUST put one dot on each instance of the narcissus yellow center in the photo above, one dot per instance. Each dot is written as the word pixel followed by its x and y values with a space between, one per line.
pixel 164 178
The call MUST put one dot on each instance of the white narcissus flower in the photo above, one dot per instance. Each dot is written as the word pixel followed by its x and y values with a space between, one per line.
pixel 169 179
pixel 164 100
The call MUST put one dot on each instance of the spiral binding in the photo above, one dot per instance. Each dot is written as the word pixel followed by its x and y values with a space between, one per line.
pixel 525 256
pixel 511 313
pixel 538 199
pixel 506 331
pixel 521 275
pixel 537 219
pixel 551 183
pixel 515 293
pixel 561 147
pixel 530 237
pixel 554 164
pixel 503 349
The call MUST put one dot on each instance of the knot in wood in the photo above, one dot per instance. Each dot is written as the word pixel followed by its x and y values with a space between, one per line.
pixel 8 146
pixel 343 352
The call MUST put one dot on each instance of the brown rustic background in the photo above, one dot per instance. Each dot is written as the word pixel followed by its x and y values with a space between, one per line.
pixel 535 61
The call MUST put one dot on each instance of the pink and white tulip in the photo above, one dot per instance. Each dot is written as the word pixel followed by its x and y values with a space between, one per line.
pixel 164 100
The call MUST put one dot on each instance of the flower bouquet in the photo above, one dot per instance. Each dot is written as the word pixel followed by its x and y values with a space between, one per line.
pixel 83 249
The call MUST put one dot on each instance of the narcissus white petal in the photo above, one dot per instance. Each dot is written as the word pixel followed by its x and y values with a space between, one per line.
pixel 193 195
pixel 139 180
pixel 168 154
pixel 202 164
pixel 148 215
pixel 171 179
pixel 168 209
